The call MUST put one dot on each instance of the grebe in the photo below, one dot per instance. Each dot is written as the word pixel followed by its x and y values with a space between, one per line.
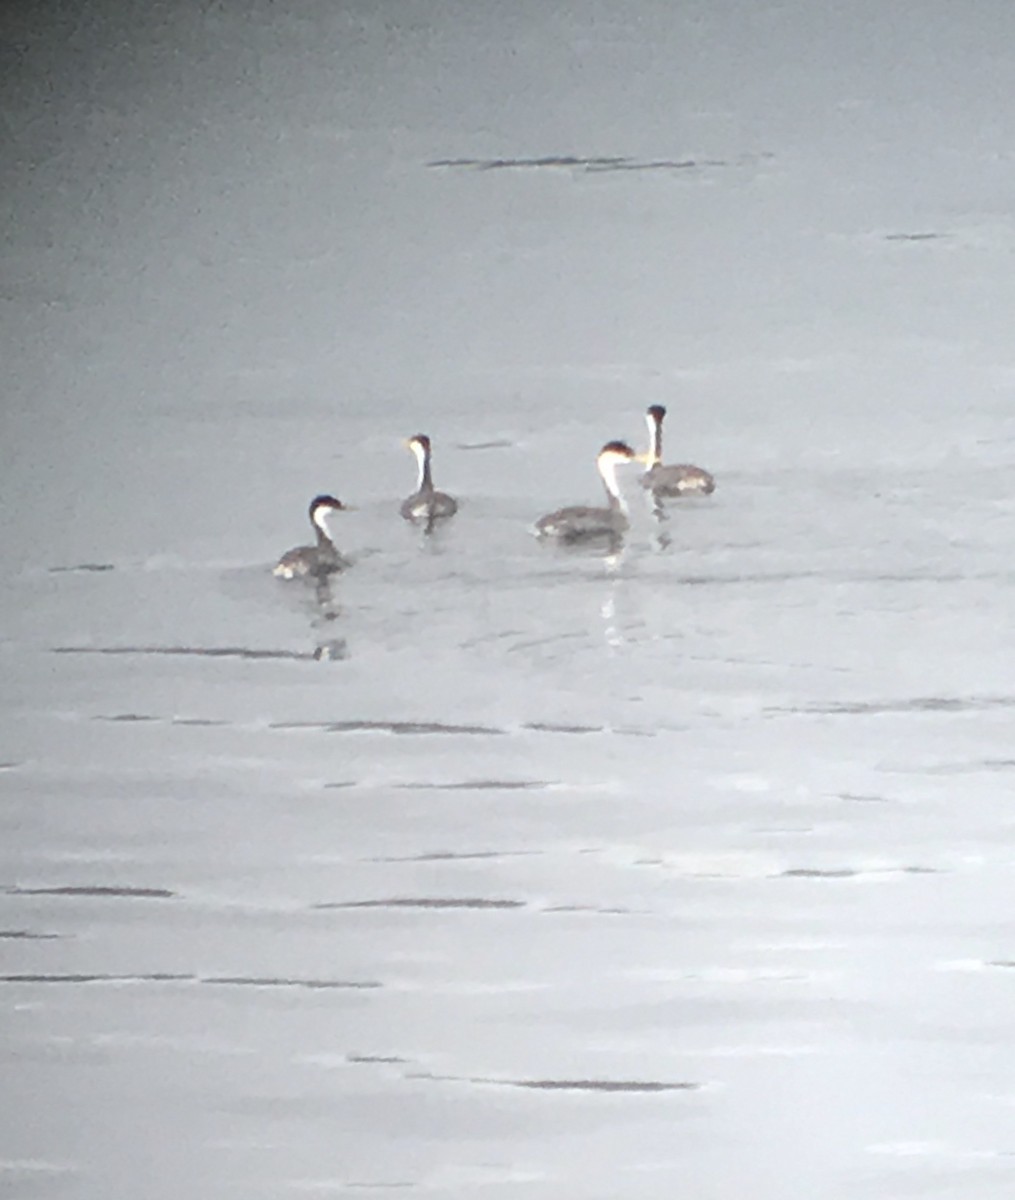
pixel 426 503
pixel 582 522
pixel 314 561
pixel 678 479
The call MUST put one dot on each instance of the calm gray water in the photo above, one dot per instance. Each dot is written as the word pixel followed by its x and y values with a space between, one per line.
pixel 507 872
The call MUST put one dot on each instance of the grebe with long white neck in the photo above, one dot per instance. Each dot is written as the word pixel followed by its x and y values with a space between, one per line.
pixel 580 522
pixel 314 562
pixel 676 479
pixel 426 503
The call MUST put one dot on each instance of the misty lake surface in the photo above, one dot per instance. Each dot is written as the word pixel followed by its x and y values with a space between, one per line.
pixel 499 869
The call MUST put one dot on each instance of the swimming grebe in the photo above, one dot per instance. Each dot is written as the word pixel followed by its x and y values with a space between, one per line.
pixel 314 561
pixel 426 503
pixel 678 479
pixel 581 522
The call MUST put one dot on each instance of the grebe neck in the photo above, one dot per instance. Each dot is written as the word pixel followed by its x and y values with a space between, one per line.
pixel 323 537
pixel 608 472
pixel 424 483
pixel 655 440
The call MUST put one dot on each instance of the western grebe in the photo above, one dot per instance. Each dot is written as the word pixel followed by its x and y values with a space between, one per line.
pixel 426 503
pixel 314 561
pixel 581 522
pixel 678 479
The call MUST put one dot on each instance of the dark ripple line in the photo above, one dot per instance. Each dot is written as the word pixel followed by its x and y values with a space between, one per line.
pixel 497 444
pixel 193 651
pixel 588 164
pixel 399 727
pixel 570 1085
pixel 28 936
pixel 125 718
pixel 921 704
pixel 498 785
pixel 550 727
pixel 853 872
pixel 614 911
pixel 426 902
pixel 602 1085
pixel 154 977
pixel 440 727
pixel 97 891
pixel 209 980
pixel 81 567
pixel 973 767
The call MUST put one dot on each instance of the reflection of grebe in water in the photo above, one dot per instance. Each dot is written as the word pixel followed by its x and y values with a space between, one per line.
pixel 581 522
pixel 426 503
pixel 314 562
pixel 678 479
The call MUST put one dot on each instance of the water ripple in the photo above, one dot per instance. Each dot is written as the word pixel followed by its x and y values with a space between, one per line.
pixel 192 651
pixel 589 164
pixel 427 902
pixel 914 704
pixel 569 1085
pixel 498 785
pixel 400 727
pixel 252 981
pixel 854 872
pixel 95 891
pixel 81 567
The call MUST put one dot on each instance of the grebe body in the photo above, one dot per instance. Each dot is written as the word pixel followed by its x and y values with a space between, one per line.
pixel 320 560
pixel 579 523
pixel 666 480
pixel 426 504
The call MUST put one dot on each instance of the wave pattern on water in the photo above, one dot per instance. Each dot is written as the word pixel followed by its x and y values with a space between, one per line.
pixel 481 785
pixel 915 704
pixel 854 872
pixel 400 727
pixel 426 902
pixel 251 981
pixel 81 567
pixel 612 1086
pixel 193 652
pixel 95 891
pixel 591 164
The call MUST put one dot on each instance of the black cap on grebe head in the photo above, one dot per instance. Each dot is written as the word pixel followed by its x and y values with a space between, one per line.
pixel 656 412
pixel 321 504
pixel 616 450
pixel 421 440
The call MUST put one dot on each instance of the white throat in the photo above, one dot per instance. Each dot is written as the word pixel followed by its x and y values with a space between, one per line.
pixel 655 440
pixel 321 518
pixel 421 464
pixel 608 471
